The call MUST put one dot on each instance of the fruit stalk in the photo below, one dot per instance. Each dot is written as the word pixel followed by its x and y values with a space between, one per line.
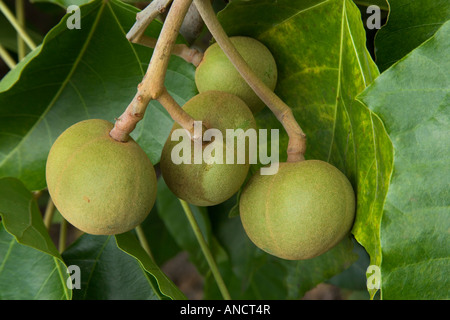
pixel 179 115
pixel 152 85
pixel 143 241
pixel 297 138
pixel 49 212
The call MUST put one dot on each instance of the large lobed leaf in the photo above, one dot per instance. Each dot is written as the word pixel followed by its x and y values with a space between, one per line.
pixel 412 99
pixel 30 265
pixel 78 74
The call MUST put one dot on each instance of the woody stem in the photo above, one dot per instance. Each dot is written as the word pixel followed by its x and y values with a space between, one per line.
pixel 152 86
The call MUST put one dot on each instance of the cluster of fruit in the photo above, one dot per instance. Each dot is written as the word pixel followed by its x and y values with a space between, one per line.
pixel 103 186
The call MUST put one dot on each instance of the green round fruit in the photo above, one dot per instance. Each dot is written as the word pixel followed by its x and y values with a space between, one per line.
pixel 100 185
pixel 207 183
pixel 216 72
pixel 300 212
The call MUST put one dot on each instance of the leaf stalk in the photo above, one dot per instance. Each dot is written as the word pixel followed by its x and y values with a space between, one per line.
pixel 16 24
pixel 205 249
pixel 143 241
pixel 6 57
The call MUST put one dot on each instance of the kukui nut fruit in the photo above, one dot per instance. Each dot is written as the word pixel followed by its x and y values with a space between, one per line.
pixel 216 72
pixel 100 185
pixel 300 212
pixel 207 181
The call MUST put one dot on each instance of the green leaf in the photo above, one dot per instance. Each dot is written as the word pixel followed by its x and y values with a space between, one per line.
pixel 129 244
pixel 412 99
pixel 110 272
pixel 13 75
pixel 92 72
pixel 409 24
pixel 373 171
pixel 323 64
pixel 30 265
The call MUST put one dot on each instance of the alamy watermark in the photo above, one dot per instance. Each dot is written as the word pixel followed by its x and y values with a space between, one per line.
pixel 374 20
pixel 74 279
pixel 373 274
pixel 229 149
pixel 74 20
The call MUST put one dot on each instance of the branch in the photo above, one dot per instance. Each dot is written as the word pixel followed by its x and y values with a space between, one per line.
pixel 297 139
pixel 143 20
pixel 152 85
pixel 145 17
pixel 189 55
pixel 164 46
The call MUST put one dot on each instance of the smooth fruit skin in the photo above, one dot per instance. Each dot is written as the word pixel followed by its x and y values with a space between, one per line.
pixel 100 185
pixel 300 212
pixel 208 184
pixel 216 72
